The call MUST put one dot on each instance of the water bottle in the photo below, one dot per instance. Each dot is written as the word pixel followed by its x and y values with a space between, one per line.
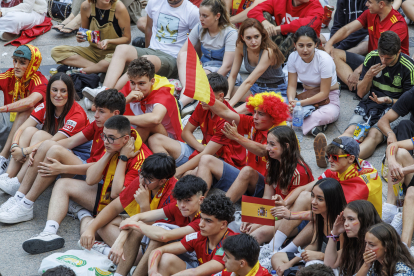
pixel 297 121
pixel 273 273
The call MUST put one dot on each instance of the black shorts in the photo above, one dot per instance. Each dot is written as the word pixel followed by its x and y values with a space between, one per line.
pixel 354 60
pixel 409 185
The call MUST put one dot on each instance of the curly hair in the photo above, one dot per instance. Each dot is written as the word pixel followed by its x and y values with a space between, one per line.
pixel 270 102
pixel 218 206
pixel 141 67
pixel 316 270
pixel 188 186
pixel 59 271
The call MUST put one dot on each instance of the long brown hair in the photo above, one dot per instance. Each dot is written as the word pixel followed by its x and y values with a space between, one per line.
pixel 49 125
pixel 217 6
pixel 395 252
pixel 275 54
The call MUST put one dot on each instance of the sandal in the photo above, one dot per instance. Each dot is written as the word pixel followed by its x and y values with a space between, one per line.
pixel 72 31
pixel 319 145
pixel 56 29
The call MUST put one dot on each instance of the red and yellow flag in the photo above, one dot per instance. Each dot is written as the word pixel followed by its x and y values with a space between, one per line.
pixel 197 86
pixel 257 210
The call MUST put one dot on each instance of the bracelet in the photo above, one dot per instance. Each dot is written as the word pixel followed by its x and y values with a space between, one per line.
pixel 14 145
pixel 24 155
pixel 334 237
pixel 388 133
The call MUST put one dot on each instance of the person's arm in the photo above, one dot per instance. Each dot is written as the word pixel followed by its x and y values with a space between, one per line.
pixel 257 11
pixel 94 172
pixel 23 104
pixel 342 33
pixel 264 63
pixel 269 192
pixel 384 125
pixel 292 85
pixel 151 119
pixel 148 32
pixel 235 69
pixel 312 18
pixel 221 110
pixel 175 248
pixel 188 137
pixel 396 4
pixel 229 4
pixel 121 13
pixel 227 63
pixel 160 234
pixel 209 268
pixel 85 14
pixel 25 6
pixel 290 199
pixel 243 15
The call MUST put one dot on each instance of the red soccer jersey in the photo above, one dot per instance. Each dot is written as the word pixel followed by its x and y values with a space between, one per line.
pixel 300 178
pixel 75 121
pixel 261 271
pixel 38 84
pixel 393 22
pixel 175 217
pixel 288 17
pixel 93 132
pixel 232 152
pixel 199 243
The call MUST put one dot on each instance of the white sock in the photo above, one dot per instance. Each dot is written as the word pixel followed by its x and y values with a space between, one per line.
pixel 278 240
pixel 51 227
pixel 291 247
pixel 26 203
pixel 19 196
pixel 106 250
pixel 117 274
pixel 83 213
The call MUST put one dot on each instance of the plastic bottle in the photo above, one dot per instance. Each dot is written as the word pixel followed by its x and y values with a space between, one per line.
pixel 297 121
pixel 273 272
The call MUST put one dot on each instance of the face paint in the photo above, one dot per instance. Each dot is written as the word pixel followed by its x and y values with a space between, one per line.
pixel 355 223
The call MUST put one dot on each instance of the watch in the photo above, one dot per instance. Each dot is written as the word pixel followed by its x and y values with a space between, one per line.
pixel 123 158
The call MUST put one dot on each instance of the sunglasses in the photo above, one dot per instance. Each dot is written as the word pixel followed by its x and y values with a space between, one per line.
pixel 335 157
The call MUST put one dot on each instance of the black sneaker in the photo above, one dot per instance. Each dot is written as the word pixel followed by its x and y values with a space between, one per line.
pixel 139 42
pixel 319 129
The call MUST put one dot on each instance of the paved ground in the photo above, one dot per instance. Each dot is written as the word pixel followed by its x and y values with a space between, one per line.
pixel 14 261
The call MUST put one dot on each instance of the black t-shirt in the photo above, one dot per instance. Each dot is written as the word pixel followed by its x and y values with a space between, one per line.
pixel 405 104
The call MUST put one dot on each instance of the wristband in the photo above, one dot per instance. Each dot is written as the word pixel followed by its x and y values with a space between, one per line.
pixel 14 145
pixel 388 133
pixel 24 155
pixel 334 237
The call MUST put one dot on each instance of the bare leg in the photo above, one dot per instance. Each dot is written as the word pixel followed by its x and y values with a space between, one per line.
pixel 142 24
pixel 73 24
pixel 279 259
pixel 370 143
pixel 246 181
pixel 170 264
pixel 304 238
pixel 142 267
pixel 100 67
pixel 121 82
pixel 64 22
pixel 161 143
pixel 110 232
pixel 349 132
pixel 145 132
pixel 408 8
pixel 342 69
pixel 77 61
pixel 209 167
pixel 360 49
pixel 131 248
pixel 408 214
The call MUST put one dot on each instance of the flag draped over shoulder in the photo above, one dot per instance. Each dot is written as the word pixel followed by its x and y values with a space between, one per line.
pixel 257 210
pixel 197 86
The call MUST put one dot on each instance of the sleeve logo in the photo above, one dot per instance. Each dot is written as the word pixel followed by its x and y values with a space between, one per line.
pixel 70 125
pixel 191 237
pixel 39 107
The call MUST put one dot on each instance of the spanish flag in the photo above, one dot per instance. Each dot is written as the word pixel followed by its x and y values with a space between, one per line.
pixel 197 86
pixel 257 210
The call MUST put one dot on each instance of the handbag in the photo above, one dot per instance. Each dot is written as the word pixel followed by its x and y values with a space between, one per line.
pixel 310 93
pixel 58 11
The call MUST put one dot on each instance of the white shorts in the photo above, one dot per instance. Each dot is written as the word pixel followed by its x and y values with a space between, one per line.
pixel 14 22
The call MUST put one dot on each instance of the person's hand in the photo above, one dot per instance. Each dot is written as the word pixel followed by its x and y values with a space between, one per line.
pixel 369 257
pixel 380 100
pixel 142 195
pixel 80 38
pixel 116 253
pixel 353 79
pixel 31 157
pixel 46 169
pixel 278 200
pixel 87 239
pixel 338 227
pixel 271 29
pixel 134 96
pixel 129 149
pixel 310 255
pixel 103 44
pixel 391 138
pixel 143 3
pixel 280 212
pixel 375 69
pixel 17 154
pixel 395 171
pixel 281 269
pixel 131 225
pixel 329 49
pixel 230 130
pixel 292 105
pixel 245 226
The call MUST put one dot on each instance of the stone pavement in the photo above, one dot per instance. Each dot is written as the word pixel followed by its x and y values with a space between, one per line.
pixel 15 261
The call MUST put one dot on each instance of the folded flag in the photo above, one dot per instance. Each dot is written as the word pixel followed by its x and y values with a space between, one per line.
pixel 197 85
pixel 257 210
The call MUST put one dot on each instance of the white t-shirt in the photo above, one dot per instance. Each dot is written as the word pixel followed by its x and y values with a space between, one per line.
pixel 225 38
pixel 322 66
pixel 171 25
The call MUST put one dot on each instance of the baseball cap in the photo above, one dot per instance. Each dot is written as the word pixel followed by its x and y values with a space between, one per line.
pixel 350 146
pixel 23 52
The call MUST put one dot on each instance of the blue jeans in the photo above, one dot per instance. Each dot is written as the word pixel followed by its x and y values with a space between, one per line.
pixel 186 151
pixel 282 88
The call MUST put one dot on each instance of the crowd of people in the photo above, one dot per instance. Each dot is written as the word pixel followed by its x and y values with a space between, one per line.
pixel 139 180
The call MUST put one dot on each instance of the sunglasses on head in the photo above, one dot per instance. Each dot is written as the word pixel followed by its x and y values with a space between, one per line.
pixel 336 157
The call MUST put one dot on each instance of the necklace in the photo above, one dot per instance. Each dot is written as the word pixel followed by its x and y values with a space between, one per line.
pixel 101 14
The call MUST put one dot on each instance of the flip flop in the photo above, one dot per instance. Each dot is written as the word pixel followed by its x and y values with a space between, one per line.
pixel 319 145
pixel 56 29
pixel 72 31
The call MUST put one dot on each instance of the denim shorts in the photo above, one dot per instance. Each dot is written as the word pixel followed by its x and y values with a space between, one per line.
pixel 282 88
pixel 186 151
pixel 228 177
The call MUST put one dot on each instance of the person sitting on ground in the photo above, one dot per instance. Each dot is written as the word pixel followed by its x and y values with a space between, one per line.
pixel 268 110
pixel 183 218
pixel 379 17
pixel 112 21
pixel 387 74
pixel 105 179
pixel 67 157
pixel 217 211
pixel 289 16
pixel 187 155
pixel 316 69
pixel 385 252
pixel 281 177
pixel 255 47
pixel 241 257
pixel 166 41
pixel 328 201
pixel 316 270
pixel 239 9
pixel 150 106
pixel 23 16
pixel 24 87
pixel 357 217
pixel 134 200
pixel 60 117
pixel 216 37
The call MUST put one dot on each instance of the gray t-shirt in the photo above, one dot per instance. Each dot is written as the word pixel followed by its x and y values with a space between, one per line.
pixel 225 38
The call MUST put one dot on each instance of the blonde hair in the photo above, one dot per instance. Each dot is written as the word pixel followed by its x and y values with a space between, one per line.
pixel 217 6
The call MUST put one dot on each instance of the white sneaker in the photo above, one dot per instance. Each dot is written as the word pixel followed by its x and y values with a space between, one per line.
pixel 73 209
pixel 397 223
pixel 16 214
pixel 184 120
pixel 4 163
pixel 8 204
pixel 388 212
pixel 189 108
pixel 98 246
pixel 43 242
pixel 91 93
pixel 88 103
pixel 265 256
pixel 10 185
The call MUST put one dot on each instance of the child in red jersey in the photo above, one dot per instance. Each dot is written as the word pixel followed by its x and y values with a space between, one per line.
pixel 241 257
pixel 172 222
pixel 217 212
